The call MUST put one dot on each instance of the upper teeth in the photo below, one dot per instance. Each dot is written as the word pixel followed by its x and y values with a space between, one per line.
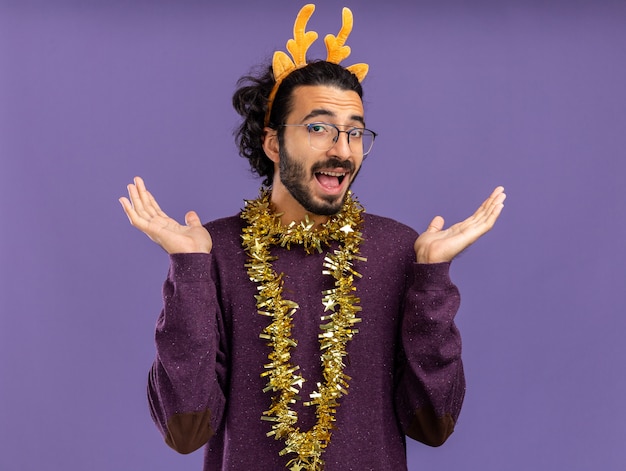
pixel 333 174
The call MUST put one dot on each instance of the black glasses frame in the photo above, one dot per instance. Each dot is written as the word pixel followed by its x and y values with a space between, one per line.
pixel 309 126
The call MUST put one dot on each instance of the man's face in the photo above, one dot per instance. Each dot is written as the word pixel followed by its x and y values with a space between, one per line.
pixel 318 180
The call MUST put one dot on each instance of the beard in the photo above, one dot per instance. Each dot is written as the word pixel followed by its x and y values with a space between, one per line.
pixel 294 177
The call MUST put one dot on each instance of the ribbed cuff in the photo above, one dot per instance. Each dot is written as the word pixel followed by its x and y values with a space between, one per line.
pixel 190 267
pixel 432 276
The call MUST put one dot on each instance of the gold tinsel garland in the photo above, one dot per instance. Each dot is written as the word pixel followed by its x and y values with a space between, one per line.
pixel 264 230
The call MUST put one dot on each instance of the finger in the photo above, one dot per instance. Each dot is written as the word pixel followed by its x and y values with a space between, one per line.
pixel 127 207
pixel 495 194
pixel 155 205
pixel 435 225
pixel 135 208
pixel 141 185
pixel 495 205
pixel 497 190
pixel 498 196
pixel 148 204
pixel 484 211
pixel 487 214
pixel 135 199
pixel 192 219
pixel 131 213
pixel 147 200
pixel 494 214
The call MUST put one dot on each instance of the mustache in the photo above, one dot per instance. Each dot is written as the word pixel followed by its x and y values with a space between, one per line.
pixel 333 163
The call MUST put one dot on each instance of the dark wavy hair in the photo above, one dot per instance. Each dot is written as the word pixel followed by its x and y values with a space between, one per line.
pixel 250 101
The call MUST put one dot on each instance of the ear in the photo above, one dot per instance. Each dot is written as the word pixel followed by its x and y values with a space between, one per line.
pixel 270 144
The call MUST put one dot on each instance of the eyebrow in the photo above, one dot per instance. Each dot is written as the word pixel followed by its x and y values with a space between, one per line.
pixel 324 112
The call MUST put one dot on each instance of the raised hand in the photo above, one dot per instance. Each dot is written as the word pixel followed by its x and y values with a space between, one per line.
pixel 145 214
pixel 437 244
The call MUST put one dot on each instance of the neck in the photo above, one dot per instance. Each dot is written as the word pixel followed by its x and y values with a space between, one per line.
pixel 283 203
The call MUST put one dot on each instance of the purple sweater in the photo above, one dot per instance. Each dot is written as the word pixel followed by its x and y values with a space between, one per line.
pixel 205 386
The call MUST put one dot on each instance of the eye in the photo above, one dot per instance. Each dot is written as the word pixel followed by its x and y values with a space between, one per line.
pixel 318 128
pixel 356 133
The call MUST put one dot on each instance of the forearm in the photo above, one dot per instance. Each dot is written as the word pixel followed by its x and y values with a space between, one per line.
pixel 431 383
pixel 185 383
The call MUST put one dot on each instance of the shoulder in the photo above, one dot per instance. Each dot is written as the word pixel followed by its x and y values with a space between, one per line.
pixel 388 238
pixel 388 246
pixel 228 224
pixel 376 227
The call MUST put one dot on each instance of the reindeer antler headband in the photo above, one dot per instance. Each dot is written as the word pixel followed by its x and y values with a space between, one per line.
pixel 282 65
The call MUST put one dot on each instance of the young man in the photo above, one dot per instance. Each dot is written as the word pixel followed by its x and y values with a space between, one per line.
pixel 303 333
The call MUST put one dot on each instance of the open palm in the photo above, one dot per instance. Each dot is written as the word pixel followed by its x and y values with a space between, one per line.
pixel 145 214
pixel 437 244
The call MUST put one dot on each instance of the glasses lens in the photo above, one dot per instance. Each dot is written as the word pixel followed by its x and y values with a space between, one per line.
pixel 324 136
pixel 367 141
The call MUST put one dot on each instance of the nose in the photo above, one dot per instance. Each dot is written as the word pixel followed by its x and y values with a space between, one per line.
pixel 341 148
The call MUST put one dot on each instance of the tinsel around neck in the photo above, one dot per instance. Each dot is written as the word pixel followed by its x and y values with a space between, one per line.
pixel 306 233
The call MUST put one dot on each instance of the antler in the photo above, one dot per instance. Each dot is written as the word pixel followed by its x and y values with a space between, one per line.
pixel 335 45
pixel 297 47
pixel 338 51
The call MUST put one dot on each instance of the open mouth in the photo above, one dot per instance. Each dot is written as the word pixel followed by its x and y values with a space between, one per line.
pixel 330 180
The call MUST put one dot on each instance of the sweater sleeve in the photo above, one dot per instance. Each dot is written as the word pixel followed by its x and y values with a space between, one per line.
pixel 186 381
pixel 431 382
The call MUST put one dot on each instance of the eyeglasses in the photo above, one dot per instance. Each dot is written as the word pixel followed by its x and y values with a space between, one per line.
pixel 323 136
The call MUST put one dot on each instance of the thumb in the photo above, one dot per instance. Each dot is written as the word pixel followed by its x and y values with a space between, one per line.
pixel 435 225
pixel 192 219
